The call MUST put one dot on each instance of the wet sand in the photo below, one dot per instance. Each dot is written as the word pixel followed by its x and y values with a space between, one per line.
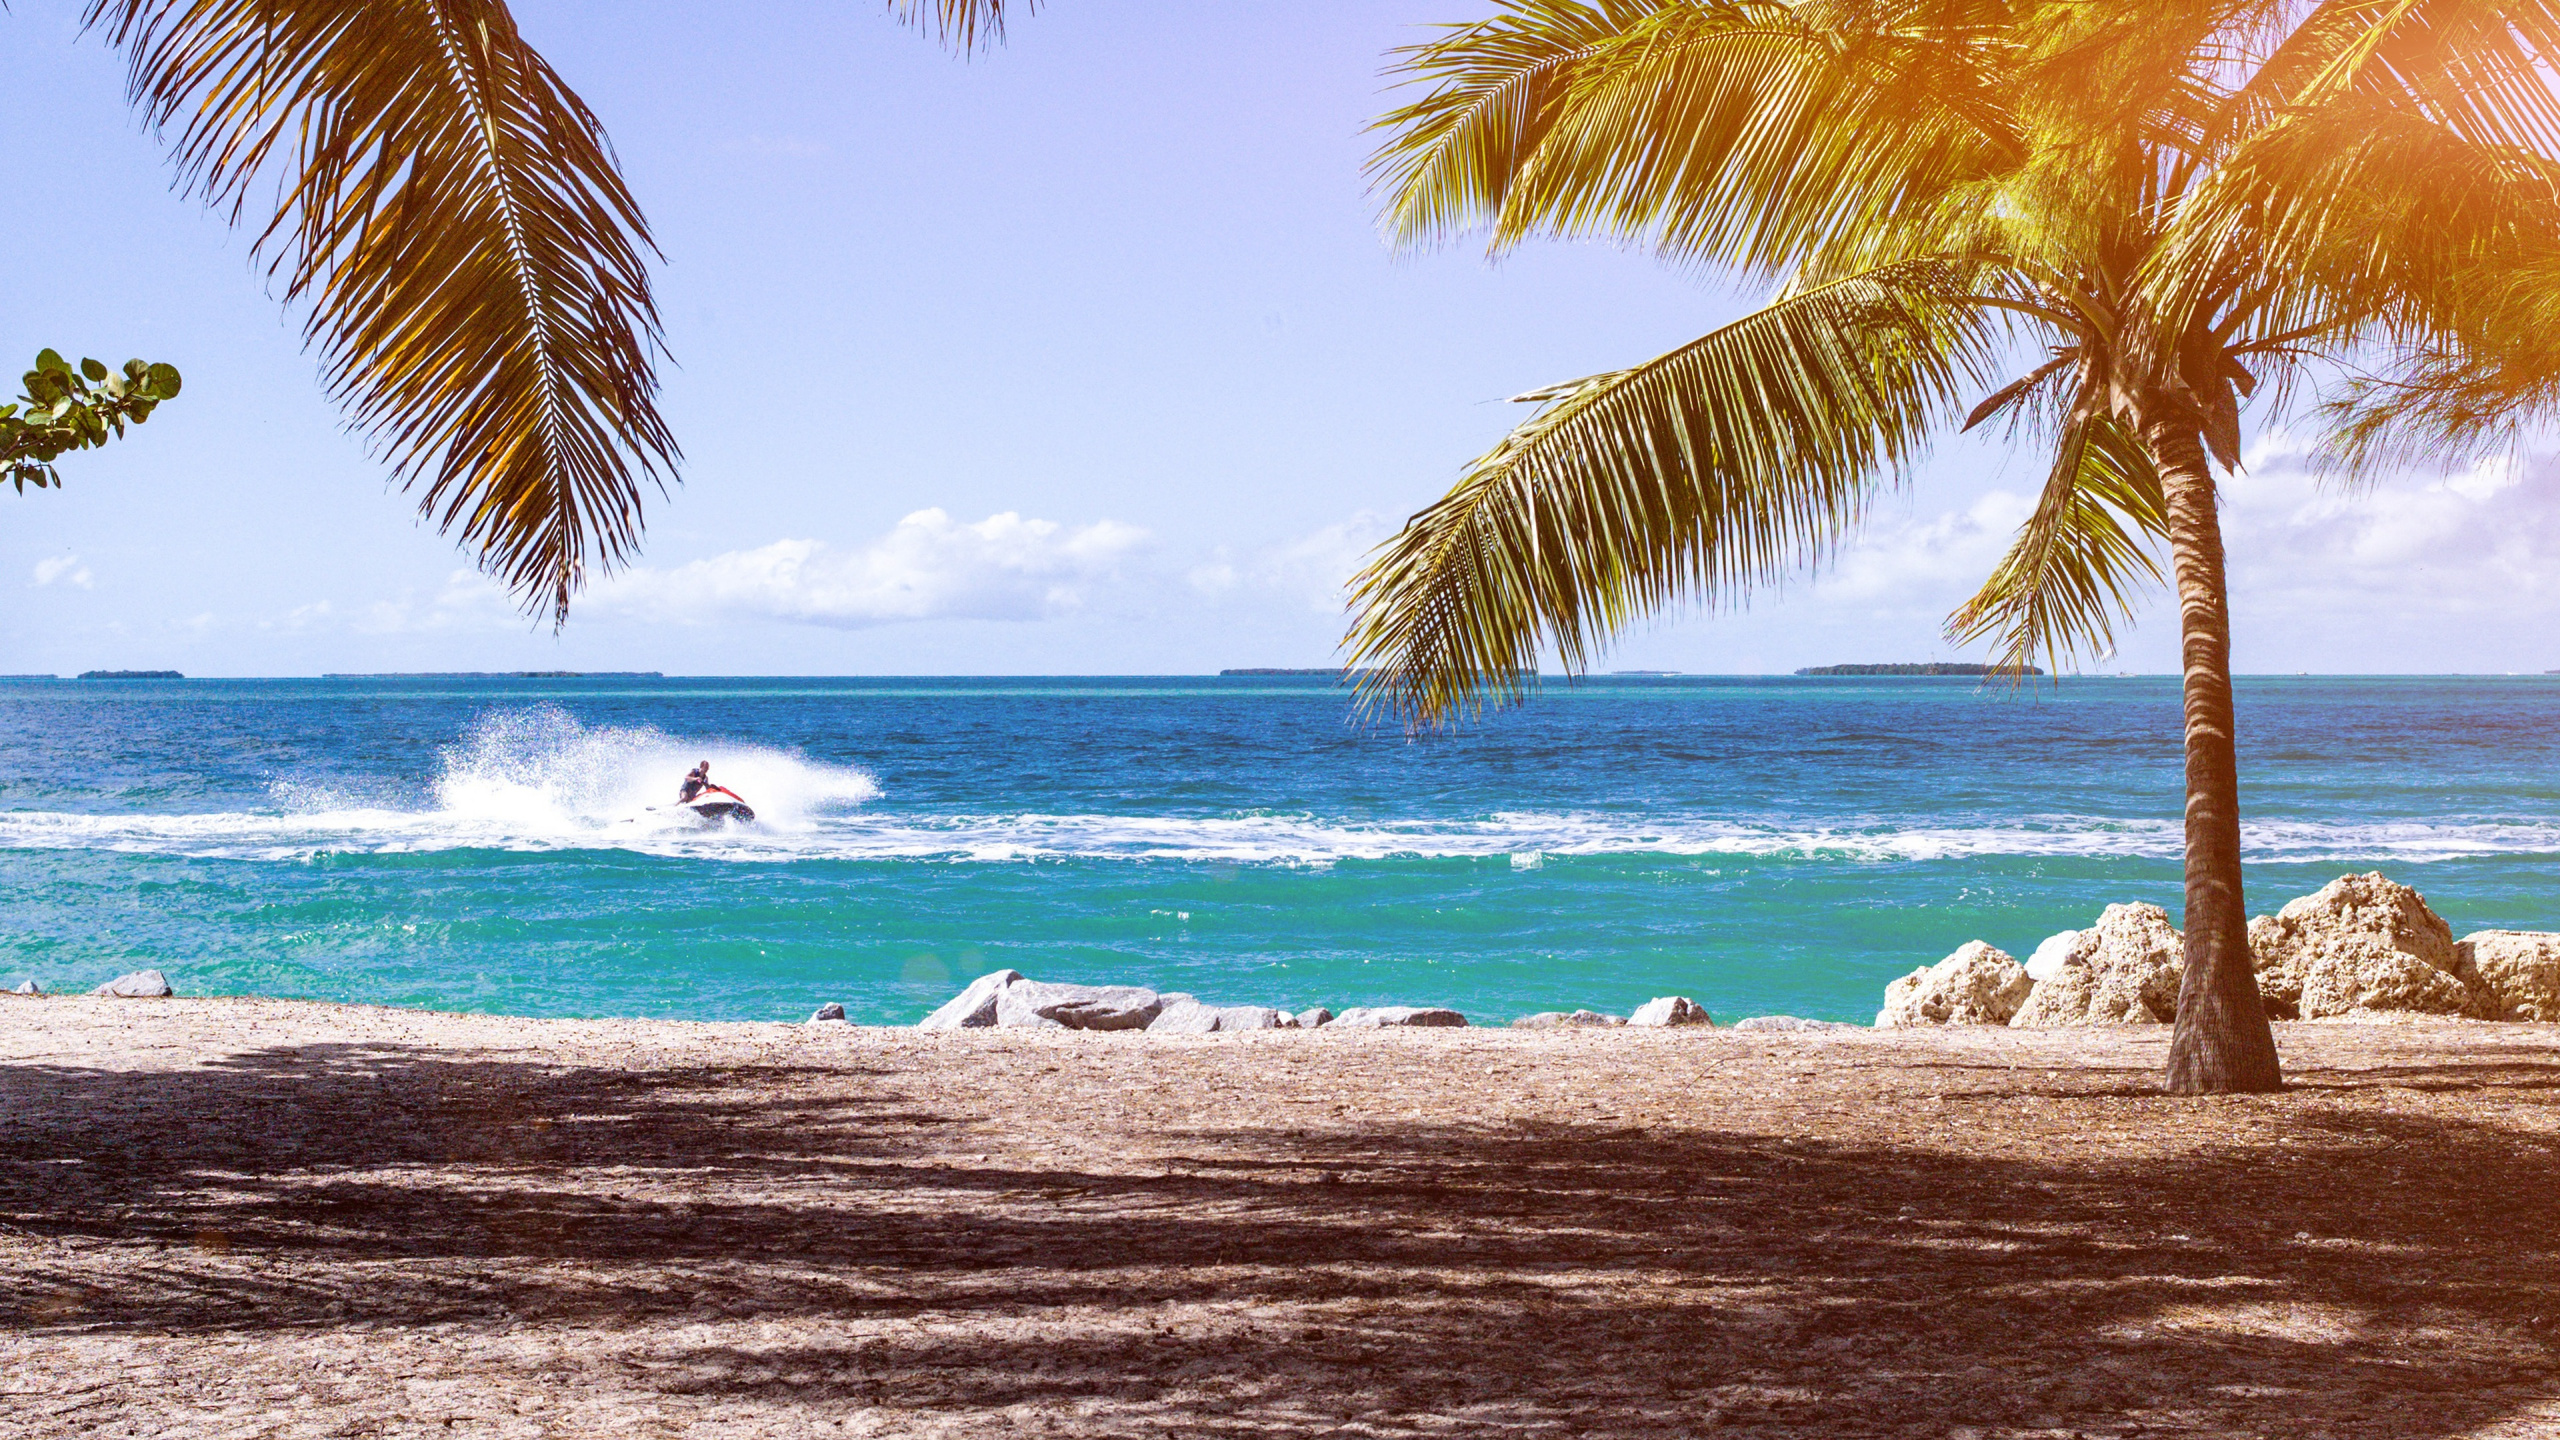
pixel 264 1218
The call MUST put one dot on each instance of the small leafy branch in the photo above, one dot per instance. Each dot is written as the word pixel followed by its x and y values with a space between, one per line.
pixel 66 409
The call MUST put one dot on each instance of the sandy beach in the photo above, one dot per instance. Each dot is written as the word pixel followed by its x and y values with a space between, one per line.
pixel 260 1218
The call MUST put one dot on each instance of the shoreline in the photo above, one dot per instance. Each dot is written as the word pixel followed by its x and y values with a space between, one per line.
pixel 303 1218
pixel 14 1005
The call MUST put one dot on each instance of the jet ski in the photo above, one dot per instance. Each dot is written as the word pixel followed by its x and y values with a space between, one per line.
pixel 715 811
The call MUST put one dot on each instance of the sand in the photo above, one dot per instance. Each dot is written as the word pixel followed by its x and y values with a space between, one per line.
pixel 260 1218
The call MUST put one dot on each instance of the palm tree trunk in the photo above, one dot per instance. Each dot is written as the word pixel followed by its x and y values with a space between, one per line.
pixel 2222 1042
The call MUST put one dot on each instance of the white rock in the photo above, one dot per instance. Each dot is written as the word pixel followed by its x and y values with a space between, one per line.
pixel 831 1011
pixel 1977 985
pixel 1567 1020
pixel 140 985
pixel 1671 1010
pixel 27 987
pixel 2518 969
pixel 1042 1005
pixel 2052 953
pixel 2361 944
pixel 1380 1017
pixel 1186 1016
pixel 2121 971
pixel 1312 1018
pixel 1782 1024
pixel 973 1008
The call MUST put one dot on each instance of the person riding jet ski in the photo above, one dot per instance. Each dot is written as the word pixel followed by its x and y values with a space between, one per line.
pixel 698 794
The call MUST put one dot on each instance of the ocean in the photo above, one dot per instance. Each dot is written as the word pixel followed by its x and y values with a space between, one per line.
pixel 1764 845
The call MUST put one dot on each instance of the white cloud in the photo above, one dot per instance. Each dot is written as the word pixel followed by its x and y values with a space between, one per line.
pixel 928 567
pixel 65 568
pixel 1313 570
pixel 2481 540
pixel 1914 560
pixel 467 601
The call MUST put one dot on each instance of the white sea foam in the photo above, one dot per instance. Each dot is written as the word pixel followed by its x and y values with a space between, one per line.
pixel 536 780
pixel 579 812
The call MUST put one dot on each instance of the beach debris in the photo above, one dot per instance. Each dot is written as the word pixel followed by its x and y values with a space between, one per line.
pixel 1977 985
pixel 1381 1017
pixel 830 1013
pixel 1671 1010
pixel 1186 1016
pixel 27 987
pixel 2362 943
pixel 140 985
pixel 1566 1020
pixel 2518 970
pixel 1311 1018
pixel 1787 1024
pixel 2121 971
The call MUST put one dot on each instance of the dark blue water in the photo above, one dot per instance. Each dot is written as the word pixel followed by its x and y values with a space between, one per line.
pixel 1764 845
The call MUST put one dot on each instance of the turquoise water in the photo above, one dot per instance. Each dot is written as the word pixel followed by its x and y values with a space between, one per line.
pixel 1764 845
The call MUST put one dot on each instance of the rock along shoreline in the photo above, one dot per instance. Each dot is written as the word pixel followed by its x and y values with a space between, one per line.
pixel 2363 947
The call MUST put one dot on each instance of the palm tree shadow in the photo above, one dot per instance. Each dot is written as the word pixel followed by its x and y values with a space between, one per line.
pixel 2379 1274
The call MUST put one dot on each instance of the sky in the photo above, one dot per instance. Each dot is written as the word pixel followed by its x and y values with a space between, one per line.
pixel 1083 356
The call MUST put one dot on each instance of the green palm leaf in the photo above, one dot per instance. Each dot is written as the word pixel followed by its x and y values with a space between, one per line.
pixel 1763 126
pixel 2081 559
pixel 1721 466
pixel 471 261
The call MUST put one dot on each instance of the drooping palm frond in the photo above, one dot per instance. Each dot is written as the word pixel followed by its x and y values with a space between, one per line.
pixel 2081 559
pixel 2358 225
pixel 2486 380
pixel 1721 466
pixel 1765 126
pixel 964 25
pixel 472 264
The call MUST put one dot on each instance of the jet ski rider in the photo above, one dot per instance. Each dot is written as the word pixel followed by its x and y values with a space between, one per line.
pixel 696 780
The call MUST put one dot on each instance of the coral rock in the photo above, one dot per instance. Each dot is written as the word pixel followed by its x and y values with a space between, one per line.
pixel 2358 945
pixel 1977 985
pixel 2121 971
pixel 140 985
pixel 1671 1010
pixel 2518 971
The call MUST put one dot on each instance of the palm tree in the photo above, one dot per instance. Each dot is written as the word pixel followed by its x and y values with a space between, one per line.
pixel 2154 211
pixel 471 265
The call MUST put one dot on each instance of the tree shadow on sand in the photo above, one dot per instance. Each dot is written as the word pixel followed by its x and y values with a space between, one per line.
pixel 2378 1274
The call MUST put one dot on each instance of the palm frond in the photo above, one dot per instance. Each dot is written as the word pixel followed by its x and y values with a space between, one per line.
pixel 964 25
pixel 2357 223
pixel 472 263
pixel 1721 466
pixel 2081 558
pixel 1457 149
pixel 1735 132
pixel 2480 68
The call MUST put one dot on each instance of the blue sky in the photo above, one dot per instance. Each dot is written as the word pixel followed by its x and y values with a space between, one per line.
pixel 1080 357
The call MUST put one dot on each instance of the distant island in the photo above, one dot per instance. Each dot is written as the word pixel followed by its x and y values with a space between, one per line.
pixel 1334 672
pixel 129 675
pixel 1920 670
pixel 504 675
